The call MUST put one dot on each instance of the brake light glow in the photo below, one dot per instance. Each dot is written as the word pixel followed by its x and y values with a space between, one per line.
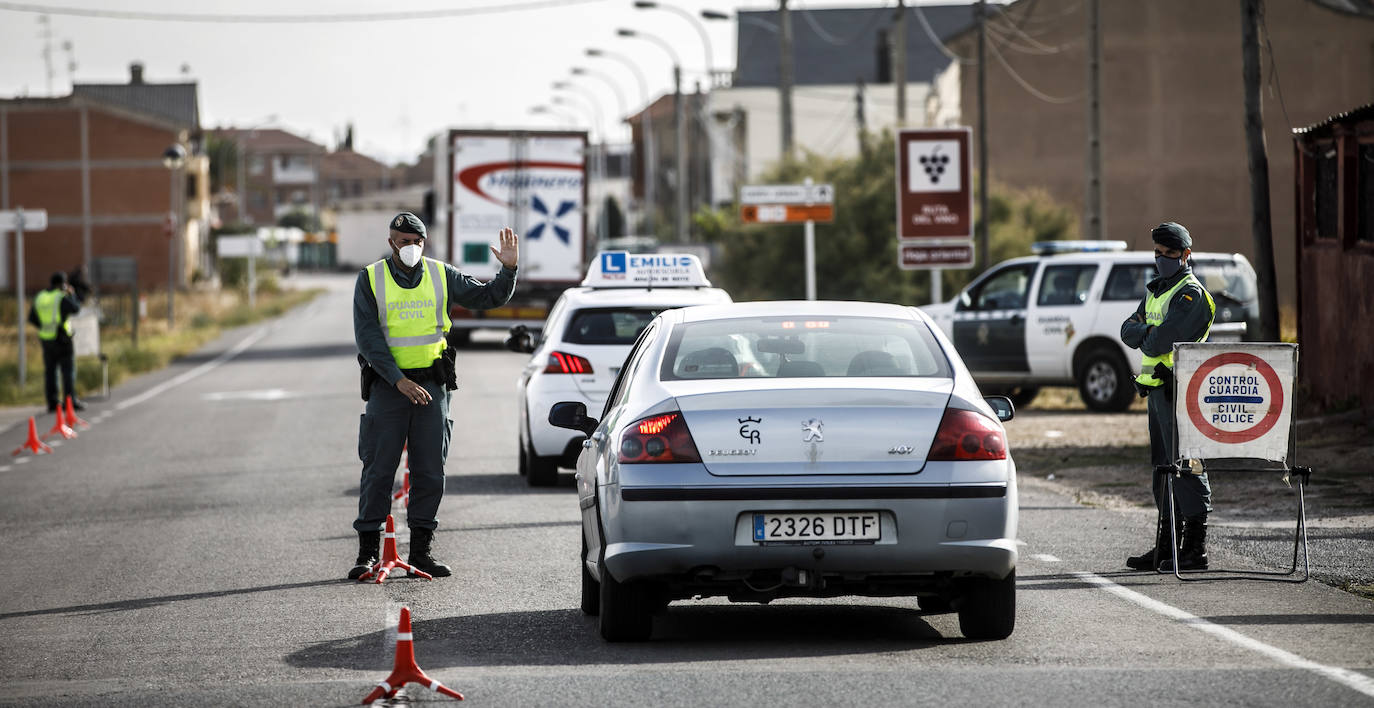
pixel 561 363
pixel 658 438
pixel 966 435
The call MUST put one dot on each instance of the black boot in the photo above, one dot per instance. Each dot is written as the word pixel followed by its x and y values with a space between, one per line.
pixel 369 549
pixel 1193 554
pixel 420 542
pixel 1151 559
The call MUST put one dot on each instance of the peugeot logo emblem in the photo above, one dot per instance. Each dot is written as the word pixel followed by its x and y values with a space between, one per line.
pixel 811 431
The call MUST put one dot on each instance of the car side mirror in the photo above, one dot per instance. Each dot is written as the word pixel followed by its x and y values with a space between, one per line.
pixel 520 340
pixel 573 416
pixel 1002 406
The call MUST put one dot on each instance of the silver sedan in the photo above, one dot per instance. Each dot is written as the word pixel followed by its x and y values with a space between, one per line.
pixel 854 456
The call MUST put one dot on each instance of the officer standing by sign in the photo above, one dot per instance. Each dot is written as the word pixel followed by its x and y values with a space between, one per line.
pixel 400 319
pixel 1176 308
pixel 51 313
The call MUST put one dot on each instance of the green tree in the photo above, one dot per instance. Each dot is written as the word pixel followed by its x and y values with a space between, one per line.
pixel 224 162
pixel 856 256
pixel 299 219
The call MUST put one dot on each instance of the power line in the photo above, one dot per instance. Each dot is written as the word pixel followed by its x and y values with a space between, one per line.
pixel 291 19
pixel 820 31
pixel 1026 85
pixel 936 40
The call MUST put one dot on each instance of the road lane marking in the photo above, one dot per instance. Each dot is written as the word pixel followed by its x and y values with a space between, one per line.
pixel 248 341
pixel 22 460
pixel 1346 677
pixel 5 468
pixel 1045 557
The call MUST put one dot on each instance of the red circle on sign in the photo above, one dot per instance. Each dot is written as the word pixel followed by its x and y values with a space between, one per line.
pixel 1239 436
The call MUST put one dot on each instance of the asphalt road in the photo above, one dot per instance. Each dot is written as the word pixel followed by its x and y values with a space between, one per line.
pixel 189 549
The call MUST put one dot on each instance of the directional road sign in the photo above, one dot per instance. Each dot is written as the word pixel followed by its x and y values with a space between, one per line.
pixel 798 194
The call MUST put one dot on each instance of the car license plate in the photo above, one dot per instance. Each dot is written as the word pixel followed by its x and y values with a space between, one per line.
pixel 824 527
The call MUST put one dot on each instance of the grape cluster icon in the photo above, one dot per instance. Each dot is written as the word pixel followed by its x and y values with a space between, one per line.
pixel 934 165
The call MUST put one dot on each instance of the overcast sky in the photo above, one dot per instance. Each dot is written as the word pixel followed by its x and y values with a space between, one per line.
pixel 397 81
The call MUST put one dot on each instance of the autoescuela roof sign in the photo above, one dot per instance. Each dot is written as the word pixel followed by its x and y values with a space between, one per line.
pixel 621 269
pixel 1235 400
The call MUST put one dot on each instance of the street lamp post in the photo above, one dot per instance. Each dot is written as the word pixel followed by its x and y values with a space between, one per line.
pixel 648 155
pixel 173 158
pixel 679 128
pixel 541 109
pixel 598 153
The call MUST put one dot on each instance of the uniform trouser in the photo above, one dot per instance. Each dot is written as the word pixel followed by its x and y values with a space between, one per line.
pixel 391 422
pixel 58 354
pixel 1192 491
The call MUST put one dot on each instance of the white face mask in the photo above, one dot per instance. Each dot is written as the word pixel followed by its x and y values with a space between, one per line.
pixel 410 255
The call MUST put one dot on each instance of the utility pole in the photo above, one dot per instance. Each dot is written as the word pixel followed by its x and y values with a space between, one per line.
pixel 785 77
pixel 46 34
pixel 859 118
pixel 899 61
pixel 982 137
pixel 683 181
pixel 1094 223
pixel 1258 158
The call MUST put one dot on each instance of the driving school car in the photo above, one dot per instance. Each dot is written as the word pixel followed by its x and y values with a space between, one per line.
pixel 585 340
pixel 856 458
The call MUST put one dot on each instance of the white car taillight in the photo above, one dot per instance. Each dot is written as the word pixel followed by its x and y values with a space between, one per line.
pixel 965 435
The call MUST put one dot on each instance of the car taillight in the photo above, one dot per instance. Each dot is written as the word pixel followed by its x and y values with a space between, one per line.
pixel 560 363
pixel 658 438
pixel 965 435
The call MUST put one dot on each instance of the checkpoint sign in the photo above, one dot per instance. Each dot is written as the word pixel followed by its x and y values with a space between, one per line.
pixel 1237 400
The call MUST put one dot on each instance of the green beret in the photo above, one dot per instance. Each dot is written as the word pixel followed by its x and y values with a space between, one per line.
pixel 408 223
pixel 1172 235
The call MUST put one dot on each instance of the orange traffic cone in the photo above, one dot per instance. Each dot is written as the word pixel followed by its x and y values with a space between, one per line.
pixel 405 670
pixel 72 420
pixel 390 558
pixel 32 444
pixel 404 492
pixel 60 427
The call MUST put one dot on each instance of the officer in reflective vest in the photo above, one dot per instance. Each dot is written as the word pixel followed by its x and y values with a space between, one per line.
pixel 400 318
pixel 51 314
pixel 1176 308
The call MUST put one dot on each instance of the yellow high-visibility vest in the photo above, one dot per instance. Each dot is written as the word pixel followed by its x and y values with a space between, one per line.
pixel 1156 307
pixel 48 303
pixel 414 320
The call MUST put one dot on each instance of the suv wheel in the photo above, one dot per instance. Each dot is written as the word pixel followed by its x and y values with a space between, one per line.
pixel 988 610
pixel 1104 381
pixel 625 612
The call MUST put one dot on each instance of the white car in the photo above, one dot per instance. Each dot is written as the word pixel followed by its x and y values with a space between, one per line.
pixel 1054 319
pixel 858 459
pixel 584 341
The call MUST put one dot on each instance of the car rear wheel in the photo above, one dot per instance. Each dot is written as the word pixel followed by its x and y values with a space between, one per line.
pixel 1021 396
pixel 988 610
pixel 591 590
pixel 626 614
pixel 524 465
pixel 1104 381
pixel 540 471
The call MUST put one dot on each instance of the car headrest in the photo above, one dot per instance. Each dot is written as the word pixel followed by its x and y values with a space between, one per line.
pixel 873 363
pixel 800 367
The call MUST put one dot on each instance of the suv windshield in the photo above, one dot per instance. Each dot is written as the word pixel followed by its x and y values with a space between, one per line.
pixel 785 347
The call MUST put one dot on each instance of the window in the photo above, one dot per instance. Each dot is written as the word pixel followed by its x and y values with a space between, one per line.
pixel 256 165
pixel 1228 280
pixel 790 347
pixel 1004 290
pixel 607 325
pixel 1364 228
pixel 1127 282
pixel 1327 214
pixel 1065 285
pixel 620 390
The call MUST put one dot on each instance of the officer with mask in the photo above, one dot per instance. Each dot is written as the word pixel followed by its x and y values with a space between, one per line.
pixel 400 318
pixel 1176 308
pixel 51 313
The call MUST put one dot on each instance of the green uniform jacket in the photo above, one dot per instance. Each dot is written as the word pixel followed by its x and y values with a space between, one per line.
pixel 1185 321
pixel 463 290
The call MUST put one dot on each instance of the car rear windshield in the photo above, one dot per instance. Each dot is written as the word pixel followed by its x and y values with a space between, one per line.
pixel 608 325
pixel 788 347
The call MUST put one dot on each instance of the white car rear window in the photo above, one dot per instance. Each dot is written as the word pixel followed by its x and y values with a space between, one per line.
pixel 790 347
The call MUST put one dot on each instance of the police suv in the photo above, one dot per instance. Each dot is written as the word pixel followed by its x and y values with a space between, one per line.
pixel 579 352
pixel 1055 318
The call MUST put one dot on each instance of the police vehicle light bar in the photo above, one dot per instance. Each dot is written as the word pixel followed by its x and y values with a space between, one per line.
pixel 1049 248
pixel 622 269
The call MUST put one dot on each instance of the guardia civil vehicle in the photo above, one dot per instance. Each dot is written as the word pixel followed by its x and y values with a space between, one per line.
pixel 1054 318
pixel 579 351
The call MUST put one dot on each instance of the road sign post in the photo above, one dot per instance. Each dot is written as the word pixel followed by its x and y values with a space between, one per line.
pixel 804 203
pixel 17 220
pixel 934 201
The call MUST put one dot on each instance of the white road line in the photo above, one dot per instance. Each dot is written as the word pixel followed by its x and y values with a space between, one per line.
pixel 22 460
pixel 1346 677
pixel 1044 557
pixel 5 468
pixel 248 341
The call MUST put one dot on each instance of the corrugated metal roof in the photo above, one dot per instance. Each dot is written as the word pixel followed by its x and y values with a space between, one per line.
pixel 817 61
pixel 178 103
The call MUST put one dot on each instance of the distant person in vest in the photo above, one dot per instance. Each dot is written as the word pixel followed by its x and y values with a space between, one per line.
pixel 51 313
pixel 1176 308
pixel 400 319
